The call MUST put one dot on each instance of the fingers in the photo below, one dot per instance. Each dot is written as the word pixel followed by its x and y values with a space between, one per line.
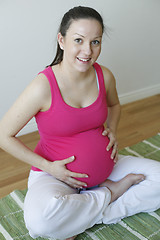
pixel 75 182
pixel 116 157
pixel 69 176
pixel 70 173
pixel 71 181
pixel 112 144
pixel 106 132
pixel 111 136
pixel 114 154
pixel 68 160
pixel 77 175
pixel 114 150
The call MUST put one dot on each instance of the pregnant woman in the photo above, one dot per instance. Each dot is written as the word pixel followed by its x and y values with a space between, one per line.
pixel 76 179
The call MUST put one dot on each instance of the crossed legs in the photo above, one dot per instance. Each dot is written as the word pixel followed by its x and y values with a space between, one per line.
pixel 51 204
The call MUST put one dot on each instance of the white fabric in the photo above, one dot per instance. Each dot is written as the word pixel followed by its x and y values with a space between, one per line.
pixel 53 209
pixel 143 197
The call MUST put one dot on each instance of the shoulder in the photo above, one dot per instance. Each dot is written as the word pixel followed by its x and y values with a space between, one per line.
pixel 40 84
pixel 110 86
pixel 39 91
pixel 109 78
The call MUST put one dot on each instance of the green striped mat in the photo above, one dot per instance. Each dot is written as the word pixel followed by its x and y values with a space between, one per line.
pixel 140 226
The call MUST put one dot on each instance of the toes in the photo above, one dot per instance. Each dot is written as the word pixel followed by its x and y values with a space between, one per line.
pixel 141 178
pixel 71 238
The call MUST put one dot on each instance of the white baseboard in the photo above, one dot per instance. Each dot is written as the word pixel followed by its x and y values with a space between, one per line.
pixel 124 98
pixel 139 94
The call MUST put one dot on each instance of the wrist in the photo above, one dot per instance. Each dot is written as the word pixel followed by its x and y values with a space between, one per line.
pixel 112 129
pixel 45 165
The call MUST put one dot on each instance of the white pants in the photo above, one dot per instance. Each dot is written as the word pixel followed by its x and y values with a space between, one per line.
pixel 53 209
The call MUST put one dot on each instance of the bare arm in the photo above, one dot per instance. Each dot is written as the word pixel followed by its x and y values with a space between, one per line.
pixel 114 111
pixel 36 97
pixel 114 108
pixel 25 107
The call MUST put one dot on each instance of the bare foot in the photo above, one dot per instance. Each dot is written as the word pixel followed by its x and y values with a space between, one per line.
pixel 71 238
pixel 118 188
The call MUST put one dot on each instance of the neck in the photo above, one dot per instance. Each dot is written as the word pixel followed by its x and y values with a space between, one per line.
pixel 72 74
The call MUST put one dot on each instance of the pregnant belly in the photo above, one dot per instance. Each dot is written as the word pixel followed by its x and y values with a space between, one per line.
pixel 89 149
pixel 91 157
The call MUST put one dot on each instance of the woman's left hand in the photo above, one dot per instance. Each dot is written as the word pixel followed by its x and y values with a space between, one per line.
pixel 112 143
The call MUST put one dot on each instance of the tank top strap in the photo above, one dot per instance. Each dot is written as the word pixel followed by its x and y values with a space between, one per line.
pixel 55 92
pixel 99 72
pixel 48 72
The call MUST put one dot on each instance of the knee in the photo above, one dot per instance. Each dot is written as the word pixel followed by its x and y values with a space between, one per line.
pixel 45 222
pixel 153 173
pixel 39 225
pixel 34 223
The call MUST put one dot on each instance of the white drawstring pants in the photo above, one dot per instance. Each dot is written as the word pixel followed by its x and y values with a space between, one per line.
pixel 54 209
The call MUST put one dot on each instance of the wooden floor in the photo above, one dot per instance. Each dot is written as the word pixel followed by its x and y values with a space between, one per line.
pixel 139 120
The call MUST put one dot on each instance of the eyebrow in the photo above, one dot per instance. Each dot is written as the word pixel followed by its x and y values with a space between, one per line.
pixel 79 35
pixel 84 36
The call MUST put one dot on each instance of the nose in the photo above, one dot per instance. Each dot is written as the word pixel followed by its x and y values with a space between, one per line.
pixel 87 49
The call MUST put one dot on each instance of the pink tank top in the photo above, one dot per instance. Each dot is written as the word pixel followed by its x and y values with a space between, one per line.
pixel 66 131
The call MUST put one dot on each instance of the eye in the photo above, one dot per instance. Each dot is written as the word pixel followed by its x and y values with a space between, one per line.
pixel 78 40
pixel 95 42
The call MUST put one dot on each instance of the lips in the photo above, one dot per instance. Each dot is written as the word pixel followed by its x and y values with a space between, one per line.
pixel 83 59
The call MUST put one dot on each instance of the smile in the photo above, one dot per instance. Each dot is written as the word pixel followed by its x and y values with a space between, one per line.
pixel 84 59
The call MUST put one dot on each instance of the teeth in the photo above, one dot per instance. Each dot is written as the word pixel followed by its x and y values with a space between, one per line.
pixel 84 60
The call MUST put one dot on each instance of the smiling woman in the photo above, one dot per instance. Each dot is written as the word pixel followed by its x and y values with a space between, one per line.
pixel 83 43
pixel 73 100
pixel 81 135
pixel 75 14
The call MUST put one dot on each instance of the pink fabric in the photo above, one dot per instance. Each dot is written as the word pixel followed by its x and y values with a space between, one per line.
pixel 66 131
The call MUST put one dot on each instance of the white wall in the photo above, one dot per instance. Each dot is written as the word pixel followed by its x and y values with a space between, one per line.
pixel 28 38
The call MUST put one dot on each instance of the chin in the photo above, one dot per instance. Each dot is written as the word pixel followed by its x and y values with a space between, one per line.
pixel 84 66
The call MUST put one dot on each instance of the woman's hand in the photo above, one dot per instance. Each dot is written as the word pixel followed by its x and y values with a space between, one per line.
pixel 58 170
pixel 112 143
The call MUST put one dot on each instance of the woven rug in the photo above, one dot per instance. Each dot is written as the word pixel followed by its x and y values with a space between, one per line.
pixel 140 226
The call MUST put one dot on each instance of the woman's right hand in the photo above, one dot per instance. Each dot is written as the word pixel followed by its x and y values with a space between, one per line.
pixel 58 170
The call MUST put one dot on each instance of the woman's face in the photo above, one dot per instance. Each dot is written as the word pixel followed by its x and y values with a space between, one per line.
pixel 82 44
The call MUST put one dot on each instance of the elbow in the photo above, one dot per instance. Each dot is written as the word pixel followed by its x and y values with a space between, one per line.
pixel 5 138
pixel 119 107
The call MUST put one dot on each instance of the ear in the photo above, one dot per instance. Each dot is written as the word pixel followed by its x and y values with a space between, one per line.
pixel 60 39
